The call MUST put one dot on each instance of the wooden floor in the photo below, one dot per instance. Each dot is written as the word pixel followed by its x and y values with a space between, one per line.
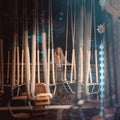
pixel 57 114
pixel 87 105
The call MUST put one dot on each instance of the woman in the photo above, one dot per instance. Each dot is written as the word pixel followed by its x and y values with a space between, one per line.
pixel 59 61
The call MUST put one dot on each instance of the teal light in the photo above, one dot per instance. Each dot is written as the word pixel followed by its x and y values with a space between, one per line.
pixel 102 3
pixel 39 38
pixel 101 60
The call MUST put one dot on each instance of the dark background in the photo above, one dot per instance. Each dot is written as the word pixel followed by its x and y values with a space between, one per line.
pixel 59 8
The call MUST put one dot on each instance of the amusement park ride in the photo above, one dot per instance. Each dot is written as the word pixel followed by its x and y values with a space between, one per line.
pixel 31 83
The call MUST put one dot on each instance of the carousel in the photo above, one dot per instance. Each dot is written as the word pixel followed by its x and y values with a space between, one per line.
pixel 37 76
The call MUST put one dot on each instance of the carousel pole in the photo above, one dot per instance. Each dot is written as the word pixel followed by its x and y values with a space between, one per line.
pixel 65 72
pixel 53 61
pixel 23 51
pixel 71 74
pixel 2 66
pixel 0 42
pixel 8 54
pixel 89 43
pixel 89 24
pixel 45 69
pixel 22 63
pixel 13 78
pixel 74 30
pixel 8 66
pixel 38 51
pixel 44 49
pixel 96 55
pixel 89 21
pixel 84 55
pixel 49 20
pixel 33 52
pixel 85 52
pixel 1 58
pixel 17 47
pixel 79 46
pixel 81 41
pixel 73 23
pixel 86 47
pixel 18 55
pixel 88 67
pixel 0 72
pixel 27 53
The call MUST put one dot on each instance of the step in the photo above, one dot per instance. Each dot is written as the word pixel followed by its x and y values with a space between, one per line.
pixel 20 98
pixel 42 103
pixel 21 115
pixel 39 113
pixel 40 98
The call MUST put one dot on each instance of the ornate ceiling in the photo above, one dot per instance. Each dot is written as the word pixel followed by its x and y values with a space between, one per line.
pixel 112 7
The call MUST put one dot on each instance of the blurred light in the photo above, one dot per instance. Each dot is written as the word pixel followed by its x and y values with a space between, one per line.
pixel 61 13
pixel 60 18
pixel 101 59
pixel 41 52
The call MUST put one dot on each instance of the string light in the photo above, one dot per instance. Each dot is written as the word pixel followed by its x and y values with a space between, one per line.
pixel 101 59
